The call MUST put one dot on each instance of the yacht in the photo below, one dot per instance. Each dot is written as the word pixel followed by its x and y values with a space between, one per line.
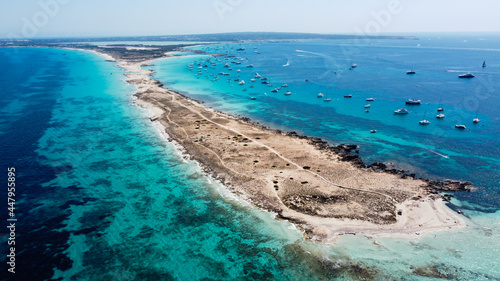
pixel 265 82
pixel 320 95
pixel 476 120
pixel 252 80
pixel 460 127
pixel 354 65
pixel 253 98
pixel 284 85
pixel 410 72
pixel 250 65
pixel 257 75
pixel 467 75
pixel 328 99
pixel 413 102
pixel 263 78
pixel 274 90
pixel 440 116
pixel 373 131
pixel 241 83
pixel 401 111
pixel 348 96
pixel 368 106
pixel 370 99
pixel 424 122
pixel 440 109
pixel 288 93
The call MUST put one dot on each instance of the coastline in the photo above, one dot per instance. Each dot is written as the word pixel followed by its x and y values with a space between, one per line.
pixel 325 205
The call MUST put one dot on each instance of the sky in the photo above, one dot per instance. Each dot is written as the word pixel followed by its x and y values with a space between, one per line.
pixel 89 18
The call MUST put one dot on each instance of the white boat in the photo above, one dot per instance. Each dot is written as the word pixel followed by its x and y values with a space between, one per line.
pixel 413 102
pixel 373 131
pixel 370 99
pixel 476 120
pixel 401 111
pixel 462 127
pixel 368 106
pixel 424 122
pixel 440 109
pixel 440 116
pixel 328 99
pixel 252 80
pixel 257 75
pixel 274 90
pixel 284 85
pixel 466 75
pixel 288 93
pixel 241 83
pixel 320 95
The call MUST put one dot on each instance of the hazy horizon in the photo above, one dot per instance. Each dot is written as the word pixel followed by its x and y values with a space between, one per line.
pixel 68 18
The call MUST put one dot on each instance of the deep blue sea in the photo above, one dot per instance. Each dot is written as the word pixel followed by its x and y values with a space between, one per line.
pixel 102 196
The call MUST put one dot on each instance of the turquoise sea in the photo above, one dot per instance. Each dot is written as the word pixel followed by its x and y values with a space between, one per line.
pixel 102 196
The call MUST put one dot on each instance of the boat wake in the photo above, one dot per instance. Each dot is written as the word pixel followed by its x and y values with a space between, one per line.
pixel 440 154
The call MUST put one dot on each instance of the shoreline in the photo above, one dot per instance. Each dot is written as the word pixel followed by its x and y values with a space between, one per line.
pixel 423 212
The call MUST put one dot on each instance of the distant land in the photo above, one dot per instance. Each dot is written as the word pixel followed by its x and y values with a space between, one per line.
pixel 215 37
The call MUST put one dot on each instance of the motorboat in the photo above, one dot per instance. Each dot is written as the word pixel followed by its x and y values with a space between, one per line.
pixel 401 111
pixel 348 96
pixel 288 93
pixel 462 127
pixel 327 99
pixel 424 122
pixel 413 102
pixel 320 95
pixel 467 75
pixel 440 116
pixel 370 99
pixel 476 120
pixel 410 72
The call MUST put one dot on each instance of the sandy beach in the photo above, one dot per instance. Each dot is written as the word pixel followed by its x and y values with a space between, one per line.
pixel 289 175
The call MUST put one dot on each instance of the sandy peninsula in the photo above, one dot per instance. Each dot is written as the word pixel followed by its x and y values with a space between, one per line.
pixel 296 177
